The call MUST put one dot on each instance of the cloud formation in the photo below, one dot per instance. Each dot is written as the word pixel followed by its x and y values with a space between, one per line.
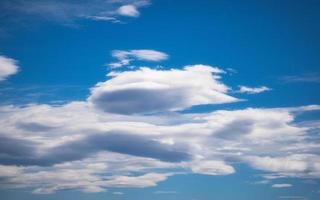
pixel 306 78
pixel 253 90
pixel 128 134
pixel 68 12
pixel 147 90
pixel 281 185
pixel 82 143
pixel 125 57
pixel 128 10
pixel 8 67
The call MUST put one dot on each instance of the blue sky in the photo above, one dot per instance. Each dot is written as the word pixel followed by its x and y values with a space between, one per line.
pixel 139 99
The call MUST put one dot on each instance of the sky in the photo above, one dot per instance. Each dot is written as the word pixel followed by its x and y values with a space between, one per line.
pixel 159 99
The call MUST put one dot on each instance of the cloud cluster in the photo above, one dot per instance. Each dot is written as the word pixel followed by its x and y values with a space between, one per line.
pixel 8 67
pixel 127 134
pixel 125 57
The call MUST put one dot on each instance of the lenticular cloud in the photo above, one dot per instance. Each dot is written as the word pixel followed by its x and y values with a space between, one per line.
pixel 147 90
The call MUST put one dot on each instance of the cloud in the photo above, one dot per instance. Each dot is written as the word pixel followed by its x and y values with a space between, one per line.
pixel 125 57
pixel 20 12
pixel 8 67
pixel 82 143
pixel 147 90
pixel 119 143
pixel 128 10
pixel 118 193
pixel 129 127
pixel 281 185
pixel 252 90
pixel 293 165
pixel 165 192
pixel 307 78
pixel 212 167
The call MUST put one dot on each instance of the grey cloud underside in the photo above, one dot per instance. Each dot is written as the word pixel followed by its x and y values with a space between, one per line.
pixel 235 129
pixel 35 127
pixel 120 143
pixel 16 151
pixel 130 101
pixel 21 152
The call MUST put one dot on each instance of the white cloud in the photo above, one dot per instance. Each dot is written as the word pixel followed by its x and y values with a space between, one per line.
pixel 253 90
pixel 281 185
pixel 293 165
pixel 45 129
pixel 69 12
pixel 125 57
pixel 8 67
pixel 71 146
pixel 147 90
pixel 128 10
pixel 10 171
pixel 212 167
pixel 118 193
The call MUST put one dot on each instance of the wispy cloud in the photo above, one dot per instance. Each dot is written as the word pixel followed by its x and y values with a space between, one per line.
pixel 22 13
pixel 308 78
pixel 125 57
pixel 252 90
pixel 118 193
pixel 166 192
pixel 281 185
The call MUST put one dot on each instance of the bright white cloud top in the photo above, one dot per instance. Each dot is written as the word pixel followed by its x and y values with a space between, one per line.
pixel 147 90
pixel 129 11
pixel 8 67
pixel 72 145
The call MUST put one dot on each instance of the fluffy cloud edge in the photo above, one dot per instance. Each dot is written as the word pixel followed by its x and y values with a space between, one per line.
pixel 8 67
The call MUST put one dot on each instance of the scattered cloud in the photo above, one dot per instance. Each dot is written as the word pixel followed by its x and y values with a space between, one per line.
pixel 22 13
pixel 125 57
pixel 253 90
pixel 307 78
pixel 281 185
pixel 129 127
pixel 165 192
pixel 8 67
